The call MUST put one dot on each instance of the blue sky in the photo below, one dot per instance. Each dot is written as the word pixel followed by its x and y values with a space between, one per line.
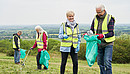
pixel 53 11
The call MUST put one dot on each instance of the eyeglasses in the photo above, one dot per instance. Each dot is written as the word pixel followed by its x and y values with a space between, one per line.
pixel 99 12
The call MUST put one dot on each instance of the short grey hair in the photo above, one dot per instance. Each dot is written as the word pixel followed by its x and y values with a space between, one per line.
pixel 70 13
pixel 102 7
pixel 20 32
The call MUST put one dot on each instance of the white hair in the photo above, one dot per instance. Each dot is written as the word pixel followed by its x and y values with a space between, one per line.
pixel 102 7
pixel 40 29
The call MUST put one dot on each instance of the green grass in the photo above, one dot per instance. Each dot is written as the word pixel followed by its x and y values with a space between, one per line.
pixel 7 66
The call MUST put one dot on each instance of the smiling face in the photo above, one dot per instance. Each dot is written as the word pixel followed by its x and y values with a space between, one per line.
pixel 70 17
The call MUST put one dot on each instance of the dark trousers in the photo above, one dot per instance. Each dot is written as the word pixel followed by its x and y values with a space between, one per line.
pixel 38 58
pixel 74 57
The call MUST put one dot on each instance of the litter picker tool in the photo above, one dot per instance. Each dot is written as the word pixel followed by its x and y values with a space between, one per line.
pixel 25 58
pixel 89 32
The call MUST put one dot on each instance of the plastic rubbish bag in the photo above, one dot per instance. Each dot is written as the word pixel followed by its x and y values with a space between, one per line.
pixel 44 58
pixel 91 48
pixel 23 54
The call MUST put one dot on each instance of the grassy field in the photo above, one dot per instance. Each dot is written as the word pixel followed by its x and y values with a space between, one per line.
pixel 7 66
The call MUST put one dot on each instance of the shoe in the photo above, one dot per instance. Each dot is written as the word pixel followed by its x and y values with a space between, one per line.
pixel 38 69
pixel 45 69
pixel 17 63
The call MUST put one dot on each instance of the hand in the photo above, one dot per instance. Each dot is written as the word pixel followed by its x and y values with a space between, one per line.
pixel 65 36
pixel 84 34
pixel 18 49
pixel 90 32
pixel 31 48
pixel 100 36
pixel 77 49
pixel 43 49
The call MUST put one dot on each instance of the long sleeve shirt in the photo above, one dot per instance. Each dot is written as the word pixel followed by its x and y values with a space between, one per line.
pixel 44 41
pixel 110 33
pixel 110 27
pixel 16 41
pixel 61 36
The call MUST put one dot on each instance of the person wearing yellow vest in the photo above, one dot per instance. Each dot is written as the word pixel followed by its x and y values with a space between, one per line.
pixel 41 44
pixel 69 33
pixel 103 25
pixel 16 47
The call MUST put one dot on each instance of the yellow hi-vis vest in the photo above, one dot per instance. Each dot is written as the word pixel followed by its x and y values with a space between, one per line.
pixel 14 46
pixel 39 40
pixel 72 37
pixel 104 27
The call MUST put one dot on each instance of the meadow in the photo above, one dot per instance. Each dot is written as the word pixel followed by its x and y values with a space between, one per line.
pixel 7 66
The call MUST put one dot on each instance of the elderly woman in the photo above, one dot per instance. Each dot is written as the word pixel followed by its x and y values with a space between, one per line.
pixel 40 43
pixel 69 33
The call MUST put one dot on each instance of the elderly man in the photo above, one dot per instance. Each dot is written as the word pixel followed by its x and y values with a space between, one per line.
pixel 16 47
pixel 103 25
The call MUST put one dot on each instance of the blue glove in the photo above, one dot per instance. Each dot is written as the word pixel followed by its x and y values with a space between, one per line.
pixel 78 47
pixel 65 36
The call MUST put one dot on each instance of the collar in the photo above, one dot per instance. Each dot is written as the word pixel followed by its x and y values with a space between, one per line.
pixel 66 25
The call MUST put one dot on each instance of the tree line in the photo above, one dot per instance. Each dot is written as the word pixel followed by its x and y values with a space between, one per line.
pixel 121 48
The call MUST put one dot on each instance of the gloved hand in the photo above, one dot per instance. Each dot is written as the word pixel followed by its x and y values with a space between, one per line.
pixel 78 47
pixel 100 36
pixel 65 36
pixel 31 48
pixel 84 34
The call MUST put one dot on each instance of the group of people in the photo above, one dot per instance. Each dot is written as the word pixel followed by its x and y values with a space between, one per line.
pixel 102 25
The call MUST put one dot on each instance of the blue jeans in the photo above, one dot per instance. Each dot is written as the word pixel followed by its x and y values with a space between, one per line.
pixel 104 59
pixel 16 56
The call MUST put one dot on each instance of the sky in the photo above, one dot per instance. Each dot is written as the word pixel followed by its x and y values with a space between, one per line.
pixel 54 11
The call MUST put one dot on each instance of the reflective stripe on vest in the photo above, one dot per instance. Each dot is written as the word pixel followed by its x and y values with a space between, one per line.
pixel 72 39
pixel 39 40
pixel 14 46
pixel 104 27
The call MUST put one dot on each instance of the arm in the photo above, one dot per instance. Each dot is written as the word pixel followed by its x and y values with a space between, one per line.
pixel 44 41
pixel 92 27
pixel 35 45
pixel 79 37
pixel 79 40
pixel 61 33
pixel 16 42
pixel 110 28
